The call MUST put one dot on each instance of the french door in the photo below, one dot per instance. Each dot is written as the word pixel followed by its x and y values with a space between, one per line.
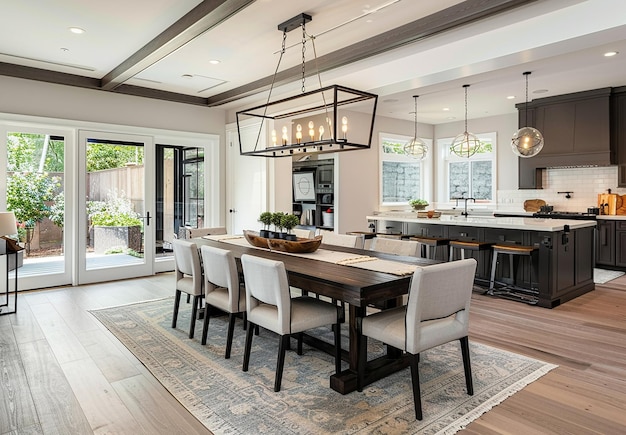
pixel 116 206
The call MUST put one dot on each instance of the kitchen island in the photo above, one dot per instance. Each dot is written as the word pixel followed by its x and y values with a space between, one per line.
pixel 561 270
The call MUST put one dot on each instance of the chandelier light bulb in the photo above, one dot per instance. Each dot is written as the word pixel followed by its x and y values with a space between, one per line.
pixel 344 126
pixel 321 130
pixel 298 133
pixel 274 137
pixel 285 137
pixel 311 130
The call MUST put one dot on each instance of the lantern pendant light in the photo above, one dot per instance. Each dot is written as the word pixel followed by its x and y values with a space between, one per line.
pixel 527 141
pixel 416 148
pixel 466 144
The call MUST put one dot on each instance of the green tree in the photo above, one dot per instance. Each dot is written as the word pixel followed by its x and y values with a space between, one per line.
pixel 25 151
pixel 28 195
pixel 102 156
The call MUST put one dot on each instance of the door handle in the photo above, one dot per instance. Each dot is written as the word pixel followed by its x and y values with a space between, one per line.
pixel 147 218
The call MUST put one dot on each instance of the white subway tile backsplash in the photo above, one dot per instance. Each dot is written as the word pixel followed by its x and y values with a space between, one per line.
pixel 584 183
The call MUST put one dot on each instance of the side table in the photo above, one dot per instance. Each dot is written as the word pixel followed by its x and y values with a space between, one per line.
pixel 7 291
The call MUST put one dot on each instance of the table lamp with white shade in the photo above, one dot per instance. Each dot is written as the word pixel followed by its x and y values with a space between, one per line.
pixel 8 227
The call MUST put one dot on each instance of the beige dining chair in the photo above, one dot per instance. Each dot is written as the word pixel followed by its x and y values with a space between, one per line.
pixel 191 233
pixel 303 233
pixel 222 290
pixel 188 272
pixel 395 246
pixel 270 305
pixel 345 240
pixel 436 313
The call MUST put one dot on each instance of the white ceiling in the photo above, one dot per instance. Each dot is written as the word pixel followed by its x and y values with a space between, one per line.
pixel 561 41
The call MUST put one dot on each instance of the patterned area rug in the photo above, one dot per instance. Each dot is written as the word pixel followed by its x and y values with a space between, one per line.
pixel 602 276
pixel 228 401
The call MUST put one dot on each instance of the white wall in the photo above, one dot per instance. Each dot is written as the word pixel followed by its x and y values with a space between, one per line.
pixel 27 97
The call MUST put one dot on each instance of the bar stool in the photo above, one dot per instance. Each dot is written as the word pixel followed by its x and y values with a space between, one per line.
pixel 512 251
pixel 434 243
pixel 468 245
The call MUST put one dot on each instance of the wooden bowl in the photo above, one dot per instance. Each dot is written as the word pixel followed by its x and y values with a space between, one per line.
pixel 300 246
pixel 255 240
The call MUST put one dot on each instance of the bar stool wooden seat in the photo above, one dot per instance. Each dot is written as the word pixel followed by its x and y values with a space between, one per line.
pixel 468 245
pixel 431 244
pixel 512 251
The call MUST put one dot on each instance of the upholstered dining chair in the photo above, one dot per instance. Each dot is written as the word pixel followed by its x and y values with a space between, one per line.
pixel 189 280
pixel 191 233
pixel 345 240
pixel 270 305
pixel 436 313
pixel 222 290
pixel 303 233
pixel 395 246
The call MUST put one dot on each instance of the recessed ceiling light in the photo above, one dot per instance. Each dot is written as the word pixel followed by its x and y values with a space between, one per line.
pixel 187 76
pixel 540 91
pixel 610 53
pixel 214 61
pixel 65 49
pixel 510 97
pixel 76 30
pixel 446 109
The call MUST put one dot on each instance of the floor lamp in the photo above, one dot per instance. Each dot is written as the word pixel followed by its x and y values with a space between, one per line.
pixel 8 227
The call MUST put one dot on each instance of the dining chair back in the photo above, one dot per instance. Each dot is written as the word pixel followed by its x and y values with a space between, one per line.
pixel 395 246
pixel 188 276
pixel 436 313
pixel 345 240
pixel 303 233
pixel 191 233
pixel 269 305
pixel 222 289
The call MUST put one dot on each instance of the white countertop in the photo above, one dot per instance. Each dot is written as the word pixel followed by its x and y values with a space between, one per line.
pixel 513 223
pixel 613 217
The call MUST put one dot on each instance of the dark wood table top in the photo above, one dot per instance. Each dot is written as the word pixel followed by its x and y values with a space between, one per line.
pixel 353 285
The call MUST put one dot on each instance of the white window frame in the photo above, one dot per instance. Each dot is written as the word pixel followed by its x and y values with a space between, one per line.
pixel 446 157
pixel 425 169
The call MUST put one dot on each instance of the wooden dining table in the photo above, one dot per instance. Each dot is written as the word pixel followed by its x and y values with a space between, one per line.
pixel 357 287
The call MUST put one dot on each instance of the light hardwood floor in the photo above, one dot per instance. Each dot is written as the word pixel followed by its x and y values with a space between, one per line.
pixel 62 372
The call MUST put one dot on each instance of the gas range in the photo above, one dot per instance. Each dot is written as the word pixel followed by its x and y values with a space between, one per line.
pixel 565 215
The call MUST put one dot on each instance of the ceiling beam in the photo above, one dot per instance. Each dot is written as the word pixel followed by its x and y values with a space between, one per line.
pixel 444 20
pixel 200 19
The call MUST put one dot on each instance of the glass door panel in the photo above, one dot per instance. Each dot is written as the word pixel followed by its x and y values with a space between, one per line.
pixel 117 238
pixel 35 192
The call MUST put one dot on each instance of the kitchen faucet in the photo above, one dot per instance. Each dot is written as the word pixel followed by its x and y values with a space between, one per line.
pixel 464 213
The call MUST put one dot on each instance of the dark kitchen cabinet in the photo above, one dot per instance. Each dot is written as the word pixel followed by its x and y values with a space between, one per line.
pixel 620 243
pixel 605 243
pixel 618 132
pixel 576 131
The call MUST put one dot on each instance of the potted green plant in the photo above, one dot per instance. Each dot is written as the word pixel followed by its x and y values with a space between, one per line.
pixel 115 224
pixel 266 219
pixel 289 222
pixel 418 204
pixel 278 225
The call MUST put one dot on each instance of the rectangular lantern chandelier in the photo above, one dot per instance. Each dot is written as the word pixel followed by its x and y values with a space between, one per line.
pixel 331 119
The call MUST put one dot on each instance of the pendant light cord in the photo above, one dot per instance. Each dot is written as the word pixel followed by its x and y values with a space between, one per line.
pixel 526 105
pixel 415 118
pixel 466 86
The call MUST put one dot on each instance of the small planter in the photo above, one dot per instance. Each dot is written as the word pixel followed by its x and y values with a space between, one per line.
pixel 419 207
pixel 265 233
pixel 291 237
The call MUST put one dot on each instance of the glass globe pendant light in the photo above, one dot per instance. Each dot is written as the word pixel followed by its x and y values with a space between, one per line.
pixel 466 144
pixel 527 141
pixel 416 148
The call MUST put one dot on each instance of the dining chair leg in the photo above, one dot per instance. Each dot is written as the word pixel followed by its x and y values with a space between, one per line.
pixel 337 348
pixel 248 347
pixel 415 377
pixel 229 336
pixel 205 324
pixel 245 321
pixel 176 305
pixel 282 348
pixel 299 337
pixel 194 314
pixel 467 367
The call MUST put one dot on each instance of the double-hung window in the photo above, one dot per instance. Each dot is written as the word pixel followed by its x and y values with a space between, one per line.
pixel 401 176
pixel 473 177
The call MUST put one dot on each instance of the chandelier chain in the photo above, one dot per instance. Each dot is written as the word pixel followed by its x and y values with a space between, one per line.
pixel 303 56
